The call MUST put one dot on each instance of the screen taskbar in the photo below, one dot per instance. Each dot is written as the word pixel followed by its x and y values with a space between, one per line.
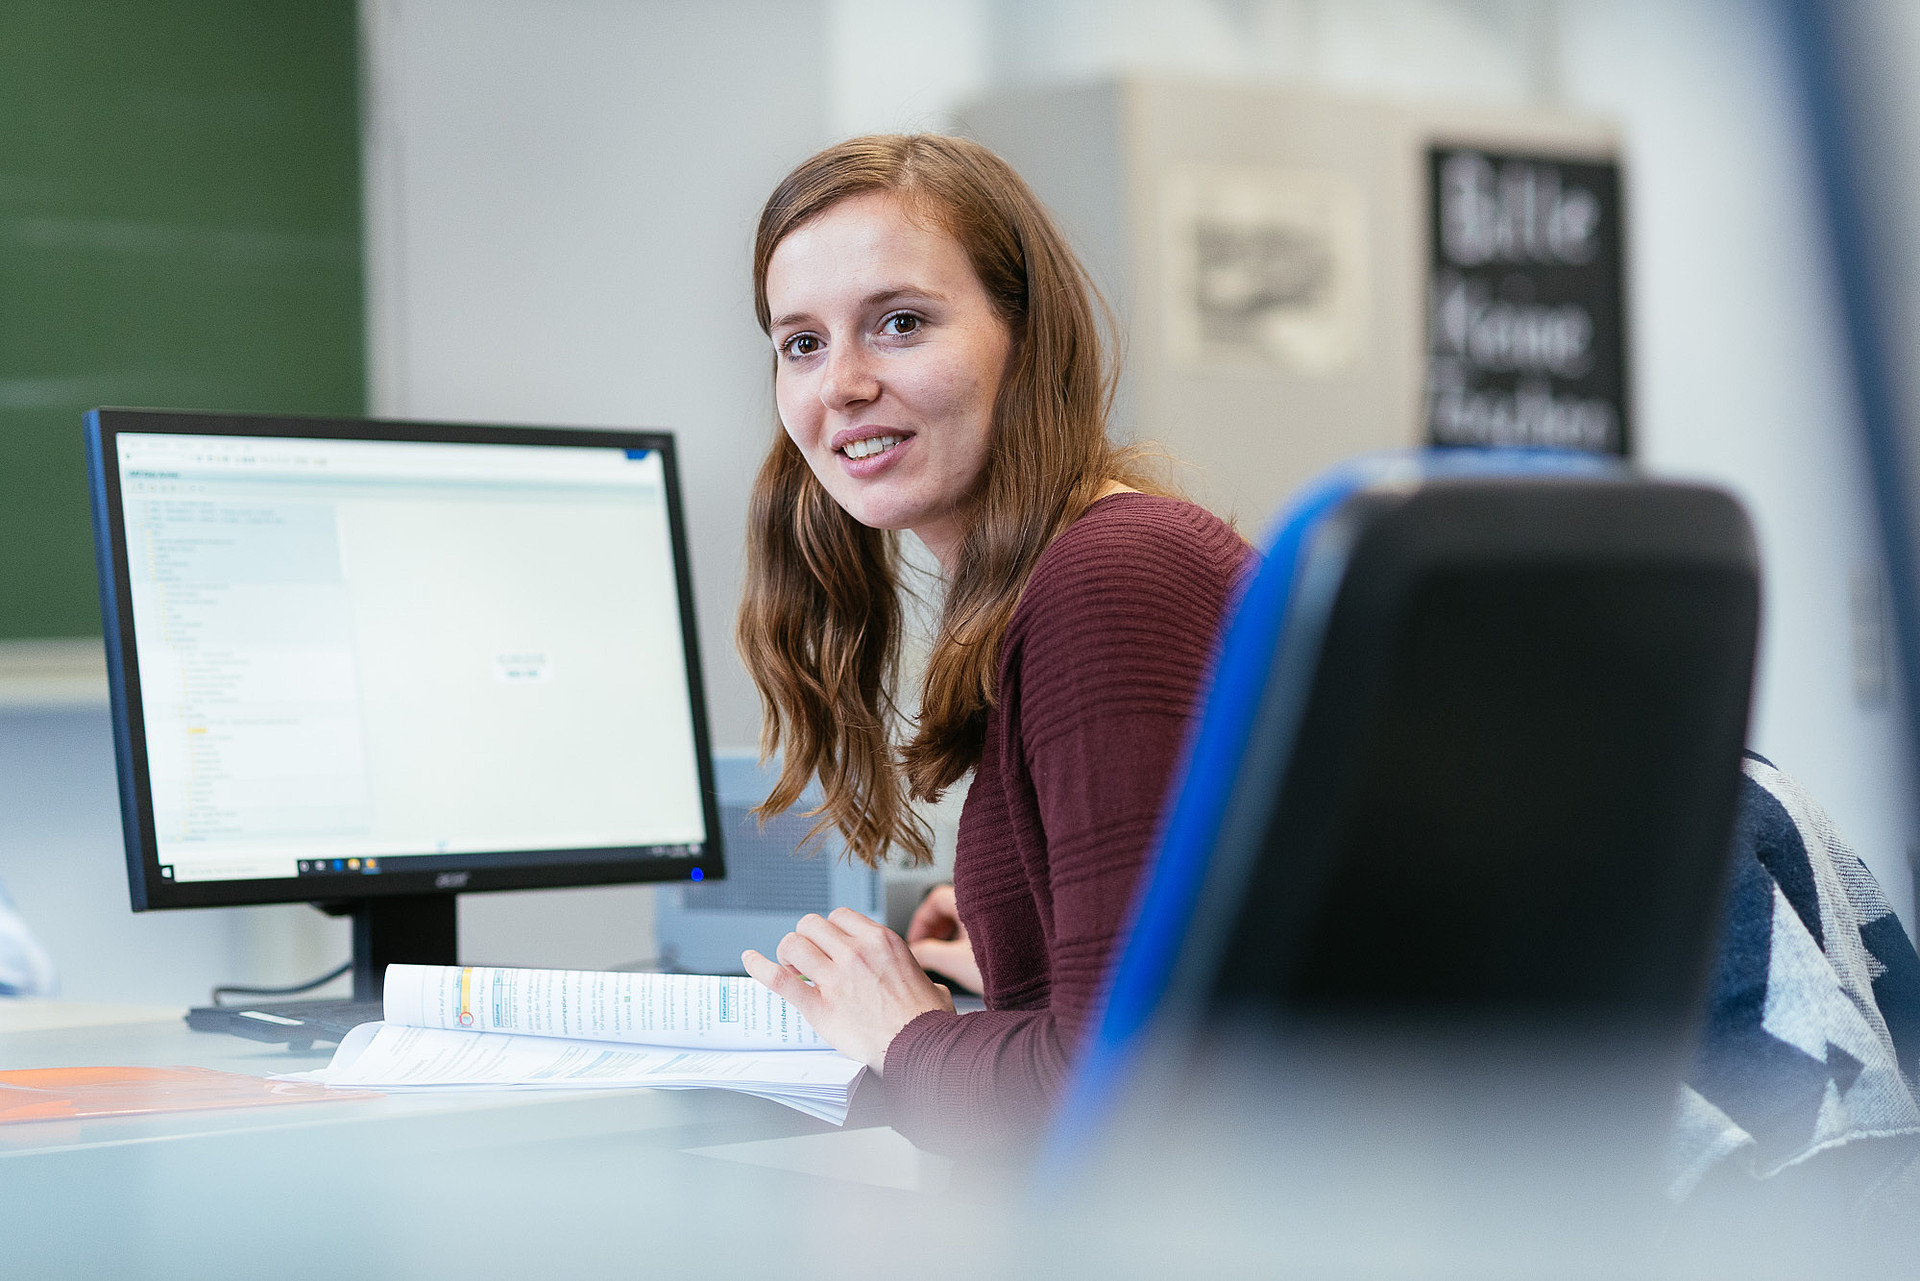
pixel 277 868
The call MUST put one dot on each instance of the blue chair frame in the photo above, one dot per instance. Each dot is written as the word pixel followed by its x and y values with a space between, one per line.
pixel 1259 693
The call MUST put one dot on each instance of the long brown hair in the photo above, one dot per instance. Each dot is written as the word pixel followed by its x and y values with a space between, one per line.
pixel 821 620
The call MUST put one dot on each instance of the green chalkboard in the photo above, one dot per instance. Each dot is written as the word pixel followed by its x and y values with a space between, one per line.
pixel 179 227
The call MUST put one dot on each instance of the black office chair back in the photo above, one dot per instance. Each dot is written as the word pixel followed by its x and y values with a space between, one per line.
pixel 1511 789
pixel 1438 892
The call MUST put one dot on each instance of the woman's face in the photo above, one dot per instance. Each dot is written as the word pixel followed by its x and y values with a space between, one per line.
pixel 889 355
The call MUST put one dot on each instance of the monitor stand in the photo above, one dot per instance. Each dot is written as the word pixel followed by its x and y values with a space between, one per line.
pixel 401 929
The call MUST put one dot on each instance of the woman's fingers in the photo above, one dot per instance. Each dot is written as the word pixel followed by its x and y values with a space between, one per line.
pixel 783 981
pixel 854 924
pixel 939 954
pixel 871 946
pixel 953 958
pixel 935 918
pixel 823 933
pixel 845 942
pixel 940 942
pixel 803 954
pixel 865 984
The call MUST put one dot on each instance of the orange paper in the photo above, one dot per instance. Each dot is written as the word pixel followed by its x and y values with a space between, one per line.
pixel 66 1094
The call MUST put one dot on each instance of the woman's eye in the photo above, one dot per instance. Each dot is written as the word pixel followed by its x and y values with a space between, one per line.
pixel 900 323
pixel 800 345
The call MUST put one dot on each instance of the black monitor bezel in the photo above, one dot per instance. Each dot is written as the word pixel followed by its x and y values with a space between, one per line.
pixel 150 890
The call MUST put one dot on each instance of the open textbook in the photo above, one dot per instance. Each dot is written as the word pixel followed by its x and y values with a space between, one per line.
pixel 451 1027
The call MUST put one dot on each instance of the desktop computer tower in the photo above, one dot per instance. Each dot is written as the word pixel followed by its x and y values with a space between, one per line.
pixel 771 881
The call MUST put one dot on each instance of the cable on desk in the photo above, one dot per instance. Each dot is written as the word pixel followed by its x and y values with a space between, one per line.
pixel 295 990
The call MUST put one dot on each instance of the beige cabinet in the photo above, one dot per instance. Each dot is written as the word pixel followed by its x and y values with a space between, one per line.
pixel 1266 252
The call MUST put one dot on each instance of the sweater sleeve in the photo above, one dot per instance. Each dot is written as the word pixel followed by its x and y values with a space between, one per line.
pixel 1105 662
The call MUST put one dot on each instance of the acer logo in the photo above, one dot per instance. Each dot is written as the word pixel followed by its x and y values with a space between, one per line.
pixel 450 881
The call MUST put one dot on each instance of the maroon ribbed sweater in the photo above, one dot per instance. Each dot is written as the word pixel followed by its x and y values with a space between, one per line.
pixel 1099 677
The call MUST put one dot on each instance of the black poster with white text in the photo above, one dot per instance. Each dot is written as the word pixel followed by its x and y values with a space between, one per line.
pixel 1526 332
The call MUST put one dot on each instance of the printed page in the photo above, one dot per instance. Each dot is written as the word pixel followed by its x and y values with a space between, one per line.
pixel 390 1057
pixel 686 1011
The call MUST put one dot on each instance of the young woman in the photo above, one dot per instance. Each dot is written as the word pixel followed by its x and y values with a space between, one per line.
pixel 938 368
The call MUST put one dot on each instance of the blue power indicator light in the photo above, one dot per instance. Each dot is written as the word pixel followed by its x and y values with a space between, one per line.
pixel 699 875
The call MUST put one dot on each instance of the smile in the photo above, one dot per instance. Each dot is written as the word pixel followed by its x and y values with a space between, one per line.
pixel 867 448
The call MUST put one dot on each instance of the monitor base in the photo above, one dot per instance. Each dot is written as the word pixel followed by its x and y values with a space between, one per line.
pixel 404 929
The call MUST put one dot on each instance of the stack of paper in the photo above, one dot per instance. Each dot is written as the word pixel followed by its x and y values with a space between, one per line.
pixel 472 1027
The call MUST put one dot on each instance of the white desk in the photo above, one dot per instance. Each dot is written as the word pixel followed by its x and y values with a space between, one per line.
pixel 639 1183
pixel 506 1183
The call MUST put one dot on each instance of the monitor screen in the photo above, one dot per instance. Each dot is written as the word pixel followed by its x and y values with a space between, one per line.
pixel 359 658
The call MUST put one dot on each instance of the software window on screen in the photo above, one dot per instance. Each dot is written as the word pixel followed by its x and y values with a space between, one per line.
pixel 367 649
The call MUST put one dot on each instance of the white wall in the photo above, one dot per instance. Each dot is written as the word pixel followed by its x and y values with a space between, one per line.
pixel 1741 373
pixel 1738 371
pixel 560 209
pixel 518 306
pixel 905 66
pixel 560 200
pixel 62 858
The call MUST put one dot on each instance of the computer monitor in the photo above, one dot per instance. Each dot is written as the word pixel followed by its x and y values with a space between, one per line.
pixel 373 664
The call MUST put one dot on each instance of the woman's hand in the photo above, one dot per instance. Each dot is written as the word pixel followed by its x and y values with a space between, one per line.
pixel 853 979
pixel 940 942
